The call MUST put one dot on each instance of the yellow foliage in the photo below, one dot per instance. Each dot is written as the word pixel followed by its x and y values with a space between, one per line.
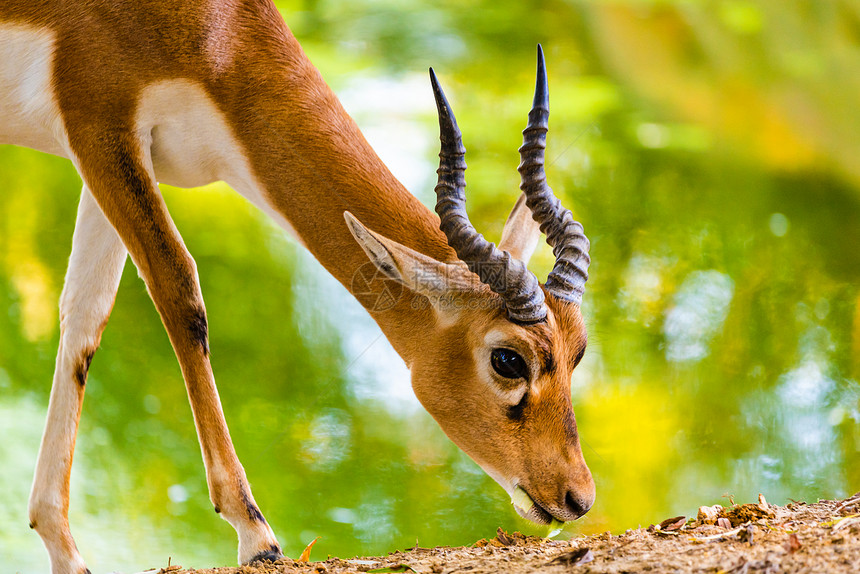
pixel 633 440
pixel 29 275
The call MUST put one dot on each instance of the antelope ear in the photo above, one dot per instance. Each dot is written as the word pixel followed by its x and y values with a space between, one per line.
pixel 521 233
pixel 415 271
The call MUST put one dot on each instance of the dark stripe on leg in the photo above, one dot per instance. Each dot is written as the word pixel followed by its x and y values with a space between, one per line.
pixel 198 329
pixel 83 367
pixel 253 512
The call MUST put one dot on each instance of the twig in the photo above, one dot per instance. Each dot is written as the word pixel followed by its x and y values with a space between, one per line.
pixel 845 522
pixel 838 520
pixel 849 503
pixel 715 536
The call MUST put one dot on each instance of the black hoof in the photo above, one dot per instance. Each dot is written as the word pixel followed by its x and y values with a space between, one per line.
pixel 272 554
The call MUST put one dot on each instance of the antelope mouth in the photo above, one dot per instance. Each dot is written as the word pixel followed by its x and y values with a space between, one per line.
pixel 526 507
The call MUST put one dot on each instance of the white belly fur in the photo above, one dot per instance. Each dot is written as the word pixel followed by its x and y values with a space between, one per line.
pixel 29 115
pixel 191 142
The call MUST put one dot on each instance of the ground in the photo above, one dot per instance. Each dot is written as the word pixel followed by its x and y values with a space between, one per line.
pixel 740 539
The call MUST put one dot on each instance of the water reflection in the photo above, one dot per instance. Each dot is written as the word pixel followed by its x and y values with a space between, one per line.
pixel 721 194
pixel 375 371
pixel 700 306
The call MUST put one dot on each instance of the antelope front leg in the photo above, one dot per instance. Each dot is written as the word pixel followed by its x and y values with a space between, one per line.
pixel 92 279
pixel 122 183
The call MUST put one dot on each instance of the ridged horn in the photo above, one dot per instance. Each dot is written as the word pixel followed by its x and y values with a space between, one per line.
pixel 565 236
pixel 502 273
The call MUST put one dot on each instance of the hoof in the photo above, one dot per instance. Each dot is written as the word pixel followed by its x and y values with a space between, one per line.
pixel 271 554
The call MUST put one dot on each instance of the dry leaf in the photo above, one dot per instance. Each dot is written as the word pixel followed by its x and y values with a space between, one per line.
pixel 306 554
pixel 792 545
pixel 673 523
pixel 723 522
pixel 503 538
pixel 578 556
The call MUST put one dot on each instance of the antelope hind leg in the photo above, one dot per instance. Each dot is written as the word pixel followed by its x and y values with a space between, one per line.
pixel 92 279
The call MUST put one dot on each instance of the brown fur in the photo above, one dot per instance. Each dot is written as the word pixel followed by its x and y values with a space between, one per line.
pixel 314 164
pixel 541 447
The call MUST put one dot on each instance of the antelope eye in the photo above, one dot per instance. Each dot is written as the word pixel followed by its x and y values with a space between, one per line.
pixel 509 364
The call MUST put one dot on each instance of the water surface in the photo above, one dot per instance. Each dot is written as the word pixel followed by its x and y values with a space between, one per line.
pixel 711 153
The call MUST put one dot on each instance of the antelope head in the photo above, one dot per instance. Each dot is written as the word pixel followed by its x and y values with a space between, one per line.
pixel 494 367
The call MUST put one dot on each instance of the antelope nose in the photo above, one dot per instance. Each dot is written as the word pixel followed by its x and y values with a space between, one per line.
pixel 577 504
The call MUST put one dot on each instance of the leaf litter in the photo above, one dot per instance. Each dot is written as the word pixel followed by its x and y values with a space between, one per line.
pixel 757 538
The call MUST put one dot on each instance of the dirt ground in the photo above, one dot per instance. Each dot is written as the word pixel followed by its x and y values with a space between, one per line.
pixel 741 539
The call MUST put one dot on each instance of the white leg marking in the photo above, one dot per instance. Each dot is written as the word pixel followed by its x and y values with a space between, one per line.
pixel 91 283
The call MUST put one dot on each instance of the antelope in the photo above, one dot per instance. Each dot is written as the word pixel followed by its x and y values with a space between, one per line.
pixel 194 91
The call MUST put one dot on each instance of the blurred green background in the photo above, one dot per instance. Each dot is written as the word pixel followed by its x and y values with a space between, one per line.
pixel 710 148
